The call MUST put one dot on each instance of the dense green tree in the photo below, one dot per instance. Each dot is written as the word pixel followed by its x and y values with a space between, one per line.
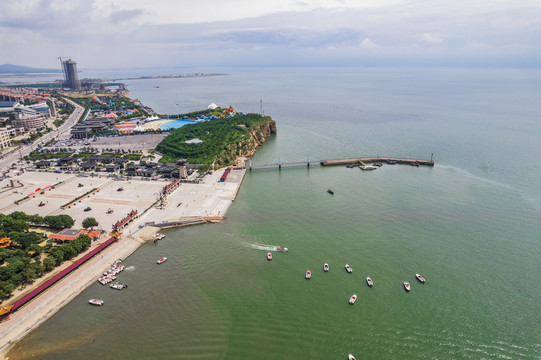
pixel 49 263
pixel 25 240
pixel 59 221
pixel 58 256
pixel 19 215
pixel 89 222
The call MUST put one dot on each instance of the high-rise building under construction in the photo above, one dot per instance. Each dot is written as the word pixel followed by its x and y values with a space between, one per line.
pixel 71 78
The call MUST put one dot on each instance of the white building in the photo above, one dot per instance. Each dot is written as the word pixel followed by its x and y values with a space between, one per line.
pixel 5 142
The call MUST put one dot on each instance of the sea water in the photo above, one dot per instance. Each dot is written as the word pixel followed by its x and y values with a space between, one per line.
pixel 470 225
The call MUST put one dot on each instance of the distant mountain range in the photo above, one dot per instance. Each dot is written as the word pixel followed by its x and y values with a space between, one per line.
pixel 18 69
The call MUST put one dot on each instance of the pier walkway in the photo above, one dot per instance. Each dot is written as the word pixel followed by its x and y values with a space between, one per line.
pixel 333 162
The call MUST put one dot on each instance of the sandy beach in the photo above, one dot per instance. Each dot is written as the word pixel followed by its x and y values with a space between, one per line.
pixel 209 198
pixel 156 124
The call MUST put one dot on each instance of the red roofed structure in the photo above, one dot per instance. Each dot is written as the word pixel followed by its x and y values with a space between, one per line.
pixel 128 219
pixel 72 234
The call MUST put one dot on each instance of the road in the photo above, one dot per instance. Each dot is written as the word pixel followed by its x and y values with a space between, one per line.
pixel 63 132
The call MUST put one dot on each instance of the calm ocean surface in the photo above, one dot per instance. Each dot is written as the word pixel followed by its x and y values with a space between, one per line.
pixel 471 226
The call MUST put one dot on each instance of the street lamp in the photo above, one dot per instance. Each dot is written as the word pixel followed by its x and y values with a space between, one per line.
pixel 178 112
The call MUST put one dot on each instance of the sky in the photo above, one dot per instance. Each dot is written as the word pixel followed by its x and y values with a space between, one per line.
pixel 154 33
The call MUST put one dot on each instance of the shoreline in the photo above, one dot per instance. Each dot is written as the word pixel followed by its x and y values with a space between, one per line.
pixel 38 310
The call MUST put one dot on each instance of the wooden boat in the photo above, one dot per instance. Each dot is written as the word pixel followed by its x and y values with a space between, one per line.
pixel 97 302
pixel 348 268
pixel 325 267
pixel 162 260
pixel 352 299
pixel 420 278
pixel 369 282
pixel 407 286
pixel 269 256
pixel 308 274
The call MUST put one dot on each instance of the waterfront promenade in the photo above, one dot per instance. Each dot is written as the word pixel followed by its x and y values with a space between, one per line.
pixel 209 200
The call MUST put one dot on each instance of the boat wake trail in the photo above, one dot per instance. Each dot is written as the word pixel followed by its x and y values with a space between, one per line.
pixel 130 268
pixel 263 247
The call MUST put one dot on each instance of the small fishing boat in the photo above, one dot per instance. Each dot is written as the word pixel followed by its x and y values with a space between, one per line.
pixel 118 286
pixel 308 274
pixel 269 256
pixel 162 260
pixel 367 167
pixel 407 286
pixel 88 208
pixel 325 267
pixel 330 192
pixel 352 299
pixel 281 248
pixel 420 278
pixel 41 203
pixel 351 357
pixel 120 189
pixel 348 268
pixel 369 282
pixel 97 302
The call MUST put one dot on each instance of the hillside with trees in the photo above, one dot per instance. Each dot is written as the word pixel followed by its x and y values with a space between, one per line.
pixel 222 140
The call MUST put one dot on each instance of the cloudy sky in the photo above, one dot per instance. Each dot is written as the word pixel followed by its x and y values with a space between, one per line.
pixel 141 33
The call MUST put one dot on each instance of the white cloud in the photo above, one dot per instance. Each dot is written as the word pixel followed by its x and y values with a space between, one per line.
pixel 430 39
pixel 369 44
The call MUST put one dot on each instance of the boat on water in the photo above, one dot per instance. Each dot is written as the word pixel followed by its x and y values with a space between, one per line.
pixel 378 164
pixel 369 282
pixel 118 286
pixel 162 260
pixel 281 248
pixel 159 236
pixel 420 278
pixel 348 268
pixel 407 286
pixel 352 299
pixel 325 267
pixel 97 302
pixel 367 167
pixel 308 274
pixel 269 256
pixel 330 192
pixel 351 357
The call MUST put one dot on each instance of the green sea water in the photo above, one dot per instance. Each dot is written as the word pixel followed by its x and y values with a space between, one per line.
pixel 470 226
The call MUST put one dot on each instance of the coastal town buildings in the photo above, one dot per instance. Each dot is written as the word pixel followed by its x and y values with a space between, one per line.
pixel 5 142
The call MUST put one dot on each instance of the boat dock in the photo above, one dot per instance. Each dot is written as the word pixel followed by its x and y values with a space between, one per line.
pixel 388 160
pixel 349 161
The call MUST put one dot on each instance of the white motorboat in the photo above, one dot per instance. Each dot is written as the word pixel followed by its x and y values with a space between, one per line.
pixel 352 299
pixel 159 236
pixel 118 285
pixel 97 302
pixel 369 282
pixel 420 278
pixel 308 274
pixel 407 286
pixel 348 268
pixel 351 357
pixel 325 267
pixel 367 167
pixel 162 260
pixel 269 256
pixel 281 248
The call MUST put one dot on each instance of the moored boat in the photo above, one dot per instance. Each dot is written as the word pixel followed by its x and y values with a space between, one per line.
pixel 367 167
pixel 269 256
pixel 118 286
pixel 325 267
pixel 352 299
pixel 120 189
pixel 369 282
pixel 281 248
pixel 159 236
pixel 348 268
pixel 97 302
pixel 162 260
pixel 407 286
pixel 308 274
pixel 420 278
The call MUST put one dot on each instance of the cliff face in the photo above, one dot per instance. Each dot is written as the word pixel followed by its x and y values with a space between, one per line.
pixel 248 147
